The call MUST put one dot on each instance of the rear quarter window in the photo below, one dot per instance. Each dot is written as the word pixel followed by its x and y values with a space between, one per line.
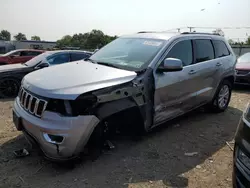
pixel 220 48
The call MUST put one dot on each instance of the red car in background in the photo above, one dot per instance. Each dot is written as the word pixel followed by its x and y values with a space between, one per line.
pixel 243 69
pixel 19 56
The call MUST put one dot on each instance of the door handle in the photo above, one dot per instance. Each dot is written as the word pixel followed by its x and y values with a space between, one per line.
pixel 192 72
pixel 218 64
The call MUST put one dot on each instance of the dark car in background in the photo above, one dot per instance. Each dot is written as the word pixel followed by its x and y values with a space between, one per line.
pixel 243 69
pixel 11 75
pixel 241 167
pixel 19 56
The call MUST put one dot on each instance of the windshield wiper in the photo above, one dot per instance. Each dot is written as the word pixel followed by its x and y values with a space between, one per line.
pixel 91 60
pixel 108 64
pixel 101 63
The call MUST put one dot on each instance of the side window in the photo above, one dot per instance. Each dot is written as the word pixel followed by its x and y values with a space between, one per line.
pixel 220 48
pixel 15 53
pixel 24 53
pixel 182 50
pixel 58 59
pixel 34 53
pixel 78 56
pixel 204 50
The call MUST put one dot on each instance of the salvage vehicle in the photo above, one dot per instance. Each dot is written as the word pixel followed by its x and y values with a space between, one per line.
pixel 241 162
pixel 141 80
pixel 19 56
pixel 11 75
pixel 243 69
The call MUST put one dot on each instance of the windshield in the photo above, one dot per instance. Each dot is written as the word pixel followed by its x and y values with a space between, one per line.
pixel 9 53
pixel 37 59
pixel 245 58
pixel 129 53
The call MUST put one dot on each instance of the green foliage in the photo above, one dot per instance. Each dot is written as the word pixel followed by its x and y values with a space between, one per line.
pixel 230 41
pixel 248 41
pixel 5 35
pixel 20 36
pixel 37 38
pixel 91 40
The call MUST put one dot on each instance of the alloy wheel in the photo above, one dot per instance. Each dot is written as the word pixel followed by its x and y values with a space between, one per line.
pixel 223 96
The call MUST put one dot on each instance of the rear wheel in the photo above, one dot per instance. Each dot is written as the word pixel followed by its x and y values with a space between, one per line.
pixel 222 97
pixel 9 87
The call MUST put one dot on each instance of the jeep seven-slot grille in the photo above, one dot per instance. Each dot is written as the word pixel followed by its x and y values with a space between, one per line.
pixel 32 104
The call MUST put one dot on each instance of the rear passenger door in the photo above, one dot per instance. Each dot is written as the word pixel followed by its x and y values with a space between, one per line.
pixel 207 69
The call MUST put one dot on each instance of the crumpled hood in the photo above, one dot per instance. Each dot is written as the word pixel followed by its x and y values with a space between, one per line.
pixel 69 80
pixel 12 67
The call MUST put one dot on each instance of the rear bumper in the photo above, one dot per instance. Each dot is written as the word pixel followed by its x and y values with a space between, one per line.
pixel 74 131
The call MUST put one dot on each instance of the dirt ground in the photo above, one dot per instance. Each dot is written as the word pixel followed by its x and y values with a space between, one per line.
pixel 155 161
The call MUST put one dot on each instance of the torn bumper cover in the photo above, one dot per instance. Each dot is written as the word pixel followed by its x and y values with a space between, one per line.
pixel 59 137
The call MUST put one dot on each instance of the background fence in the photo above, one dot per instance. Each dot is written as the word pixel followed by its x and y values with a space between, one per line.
pixel 240 49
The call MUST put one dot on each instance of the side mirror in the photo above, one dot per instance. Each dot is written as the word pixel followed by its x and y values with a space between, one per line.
pixel 95 51
pixel 170 65
pixel 42 65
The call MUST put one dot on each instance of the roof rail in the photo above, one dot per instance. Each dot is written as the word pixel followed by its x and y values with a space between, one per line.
pixel 201 33
pixel 145 32
pixel 156 32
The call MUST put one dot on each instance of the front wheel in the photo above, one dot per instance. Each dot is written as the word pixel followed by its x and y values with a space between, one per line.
pixel 222 97
pixel 9 87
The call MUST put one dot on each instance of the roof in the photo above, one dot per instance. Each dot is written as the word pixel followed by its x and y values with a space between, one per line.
pixel 33 50
pixel 154 35
pixel 167 35
pixel 36 41
pixel 58 51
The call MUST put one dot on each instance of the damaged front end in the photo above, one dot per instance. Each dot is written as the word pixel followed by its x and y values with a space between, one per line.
pixel 65 126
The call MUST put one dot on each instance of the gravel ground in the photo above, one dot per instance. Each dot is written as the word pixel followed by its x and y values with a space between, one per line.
pixel 156 160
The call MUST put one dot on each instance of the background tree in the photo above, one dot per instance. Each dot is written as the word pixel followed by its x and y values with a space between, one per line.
pixel 230 41
pixel 65 41
pixel 20 36
pixel 90 40
pixel 248 41
pixel 5 35
pixel 37 38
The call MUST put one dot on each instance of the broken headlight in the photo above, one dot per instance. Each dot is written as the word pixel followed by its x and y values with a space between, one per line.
pixel 83 104
pixel 57 105
pixel 246 114
pixel 79 106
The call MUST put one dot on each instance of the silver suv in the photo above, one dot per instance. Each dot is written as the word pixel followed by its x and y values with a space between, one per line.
pixel 142 80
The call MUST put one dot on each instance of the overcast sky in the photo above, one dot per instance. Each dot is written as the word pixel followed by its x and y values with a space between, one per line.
pixel 52 19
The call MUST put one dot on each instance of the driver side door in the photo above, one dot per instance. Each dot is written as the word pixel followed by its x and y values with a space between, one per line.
pixel 175 92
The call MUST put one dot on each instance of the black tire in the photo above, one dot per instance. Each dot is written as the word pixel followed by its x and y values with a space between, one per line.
pixel 96 141
pixel 3 63
pixel 9 87
pixel 221 100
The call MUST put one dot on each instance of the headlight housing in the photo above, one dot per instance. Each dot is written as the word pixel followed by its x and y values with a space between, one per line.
pixel 79 106
pixel 243 158
pixel 83 104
